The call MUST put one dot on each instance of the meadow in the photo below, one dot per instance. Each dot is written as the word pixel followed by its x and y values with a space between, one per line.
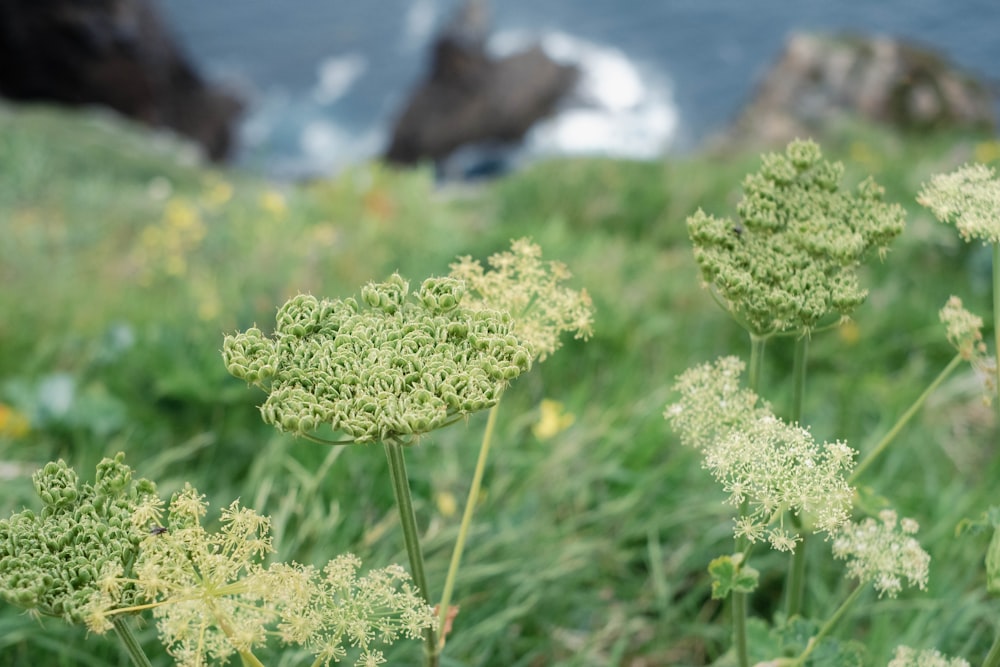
pixel 124 263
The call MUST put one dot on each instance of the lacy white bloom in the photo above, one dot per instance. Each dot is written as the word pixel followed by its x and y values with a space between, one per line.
pixel 884 553
pixel 777 467
pixel 968 197
pixel 964 331
pixel 712 403
pixel 531 290
pixel 908 657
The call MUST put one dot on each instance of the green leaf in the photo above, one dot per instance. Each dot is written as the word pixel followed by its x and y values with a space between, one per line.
pixel 728 575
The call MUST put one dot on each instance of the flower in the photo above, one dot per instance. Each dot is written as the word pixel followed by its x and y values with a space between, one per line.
pixel 908 657
pixel 765 465
pixel 791 259
pixel 964 333
pixel 51 562
pixel 883 553
pixel 531 291
pixel 552 420
pixel 969 198
pixel 212 597
pixel 393 366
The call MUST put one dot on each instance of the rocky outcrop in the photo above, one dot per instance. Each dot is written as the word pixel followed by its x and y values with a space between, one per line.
pixel 114 53
pixel 821 79
pixel 469 97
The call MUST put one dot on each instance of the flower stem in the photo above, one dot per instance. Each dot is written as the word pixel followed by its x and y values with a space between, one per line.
pixel 993 657
pixel 131 644
pixel 463 531
pixel 757 344
pixel 795 587
pixel 829 625
pixel 907 416
pixel 404 503
pixel 996 316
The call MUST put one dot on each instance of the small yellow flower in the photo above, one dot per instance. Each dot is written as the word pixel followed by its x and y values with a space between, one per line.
pixel 217 194
pixel 446 503
pixel 180 215
pixel 987 151
pixel 274 203
pixel 13 424
pixel 553 419
pixel 849 332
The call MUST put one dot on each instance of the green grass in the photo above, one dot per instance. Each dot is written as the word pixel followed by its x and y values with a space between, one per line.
pixel 123 265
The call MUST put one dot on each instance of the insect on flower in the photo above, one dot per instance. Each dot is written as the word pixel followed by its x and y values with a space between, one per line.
pixel 157 530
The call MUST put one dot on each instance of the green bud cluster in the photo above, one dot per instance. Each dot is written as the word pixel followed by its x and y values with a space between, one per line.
pixel 791 259
pixel 393 366
pixel 51 562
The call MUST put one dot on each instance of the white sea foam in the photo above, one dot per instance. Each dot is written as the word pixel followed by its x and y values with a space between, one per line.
pixel 619 108
pixel 336 75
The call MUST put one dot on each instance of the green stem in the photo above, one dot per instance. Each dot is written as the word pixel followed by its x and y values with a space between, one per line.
pixel 408 520
pixel 757 344
pixel 907 416
pixel 993 657
pixel 795 587
pixel 127 638
pixel 996 315
pixel 829 625
pixel 463 531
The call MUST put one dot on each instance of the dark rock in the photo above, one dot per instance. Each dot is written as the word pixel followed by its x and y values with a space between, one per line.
pixel 114 53
pixel 470 98
pixel 819 80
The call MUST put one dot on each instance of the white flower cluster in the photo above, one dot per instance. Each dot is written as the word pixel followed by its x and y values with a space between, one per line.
pixel 908 657
pixel 969 197
pixel 884 553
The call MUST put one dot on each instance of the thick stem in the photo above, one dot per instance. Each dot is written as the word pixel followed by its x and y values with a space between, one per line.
pixel 907 416
pixel 996 316
pixel 795 586
pixel 408 520
pixel 131 644
pixel 829 625
pixel 757 344
pixel 993 657
pixel 463 531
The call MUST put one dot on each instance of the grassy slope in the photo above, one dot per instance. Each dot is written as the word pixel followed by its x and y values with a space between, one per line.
pixel 122 267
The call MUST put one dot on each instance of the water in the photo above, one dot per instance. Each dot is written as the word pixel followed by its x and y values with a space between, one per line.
pixel 326 77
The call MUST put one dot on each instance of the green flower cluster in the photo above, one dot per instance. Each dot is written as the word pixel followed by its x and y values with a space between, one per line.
pixel 51 562
pixel 397 366
pixel 791 259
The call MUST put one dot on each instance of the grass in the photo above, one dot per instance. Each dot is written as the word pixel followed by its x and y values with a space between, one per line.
pixel 123 264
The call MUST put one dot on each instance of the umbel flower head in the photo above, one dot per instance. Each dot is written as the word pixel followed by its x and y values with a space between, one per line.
pixel 883 553
pixel 211 596
pixel 909 657
pixel 969 198
pixel 762 462
pixel 50 562
pixel 394 365
pixel 790 260
pixel 532 292
pixel 964 331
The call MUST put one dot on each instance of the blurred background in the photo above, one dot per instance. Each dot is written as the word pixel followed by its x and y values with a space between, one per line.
pixel 325 79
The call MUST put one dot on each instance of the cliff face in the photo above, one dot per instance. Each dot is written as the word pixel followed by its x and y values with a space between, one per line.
pixel 112 53
pixel 821 79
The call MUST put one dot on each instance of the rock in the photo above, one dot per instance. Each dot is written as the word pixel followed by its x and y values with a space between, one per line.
pixel 820 80
pixel 470 98
pixel 113 53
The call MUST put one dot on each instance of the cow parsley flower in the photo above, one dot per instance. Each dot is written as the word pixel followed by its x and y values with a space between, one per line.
pixel 393 366
pixel 908 657
pixel 883 553
pixel 791 259
pixel 212 597
pixel 969 198
pixel 532 292
pixel 765 465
